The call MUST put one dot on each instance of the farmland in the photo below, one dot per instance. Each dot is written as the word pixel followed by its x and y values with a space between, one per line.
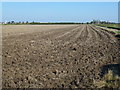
pixel 47 56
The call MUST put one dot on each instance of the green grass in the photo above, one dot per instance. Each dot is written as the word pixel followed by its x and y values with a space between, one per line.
pixel 117 32
pixel 114 26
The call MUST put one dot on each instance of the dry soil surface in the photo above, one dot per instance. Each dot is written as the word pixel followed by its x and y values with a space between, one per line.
pixel 50 56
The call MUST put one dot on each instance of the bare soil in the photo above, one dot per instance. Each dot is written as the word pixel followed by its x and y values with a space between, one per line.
pixel 56 55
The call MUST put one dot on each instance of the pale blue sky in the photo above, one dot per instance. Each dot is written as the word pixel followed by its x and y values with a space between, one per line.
pixel 60 11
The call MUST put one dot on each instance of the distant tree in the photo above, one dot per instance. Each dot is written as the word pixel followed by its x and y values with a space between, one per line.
pixel 87 23
pixel 12 22
pixel 23 22
pixel 19 22
pixel 8 22
pixel 33 22
pixel 95 22
pixel 27 22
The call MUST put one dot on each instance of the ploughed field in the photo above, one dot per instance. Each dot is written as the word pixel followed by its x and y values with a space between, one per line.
pixel 47 56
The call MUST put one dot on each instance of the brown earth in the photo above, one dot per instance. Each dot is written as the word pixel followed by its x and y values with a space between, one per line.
pixel 56 56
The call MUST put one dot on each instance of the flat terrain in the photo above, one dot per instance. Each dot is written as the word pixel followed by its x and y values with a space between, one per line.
pixel 114 26
pixel 56 55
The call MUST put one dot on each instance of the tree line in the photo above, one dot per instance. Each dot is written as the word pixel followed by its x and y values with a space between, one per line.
pixel 27 22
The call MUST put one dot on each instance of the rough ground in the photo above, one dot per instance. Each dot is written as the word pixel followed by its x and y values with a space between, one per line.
pixel 56 56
